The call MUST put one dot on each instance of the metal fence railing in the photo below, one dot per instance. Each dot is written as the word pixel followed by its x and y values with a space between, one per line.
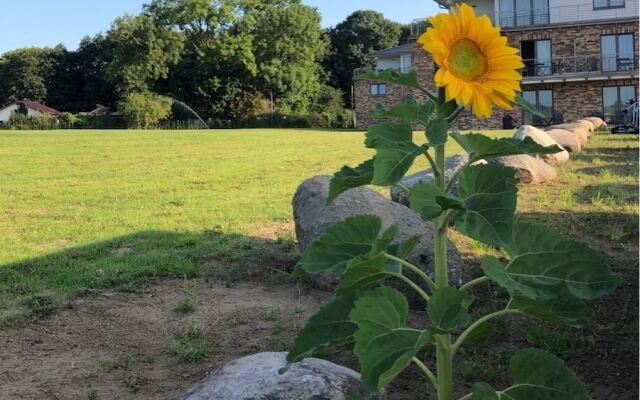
pixel 586 64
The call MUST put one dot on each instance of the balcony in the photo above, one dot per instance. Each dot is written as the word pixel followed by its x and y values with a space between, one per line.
pixel 565 14
pixel 580 68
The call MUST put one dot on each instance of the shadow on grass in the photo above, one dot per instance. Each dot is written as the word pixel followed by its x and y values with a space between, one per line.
pixel 38 286
pixel 618 155
pixel 613 193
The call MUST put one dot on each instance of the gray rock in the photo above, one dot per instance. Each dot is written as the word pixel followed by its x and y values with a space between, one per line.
pixel 528 169
pixel 570 141
pixel 543 139
pixel 451 166
pixel 312 217
pixel 256 377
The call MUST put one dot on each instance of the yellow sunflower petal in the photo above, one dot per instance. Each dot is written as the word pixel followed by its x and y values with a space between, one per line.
pixel 476 66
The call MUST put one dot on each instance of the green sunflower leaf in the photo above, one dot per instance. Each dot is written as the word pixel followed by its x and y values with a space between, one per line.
pixel 395 151
pixel 481 147
pixel 489 193
pixel 348 178
pixel 385 345
pixel 330 324
pixel 537 375
pixel 449 309
pixel 340 244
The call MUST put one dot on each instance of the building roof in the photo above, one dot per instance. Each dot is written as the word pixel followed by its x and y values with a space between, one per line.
pixel 34 105
pixel 393 51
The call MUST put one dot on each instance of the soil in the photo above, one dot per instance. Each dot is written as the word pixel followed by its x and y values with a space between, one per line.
pixel 115 345
pixel 118 345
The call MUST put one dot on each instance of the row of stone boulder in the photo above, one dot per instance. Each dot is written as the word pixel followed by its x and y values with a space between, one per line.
pixel 571 137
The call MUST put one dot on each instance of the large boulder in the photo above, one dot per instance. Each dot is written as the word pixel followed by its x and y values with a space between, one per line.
pixel 581 133
pixel 597 122
pixel 587 124
pixel 545 140
pixel 529 169
pixel 452 165
pixel 568 140
pixel 256 377
pixel 312 218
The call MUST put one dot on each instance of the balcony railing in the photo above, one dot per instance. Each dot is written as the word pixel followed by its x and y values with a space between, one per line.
pixel 564 14
pixel 580 65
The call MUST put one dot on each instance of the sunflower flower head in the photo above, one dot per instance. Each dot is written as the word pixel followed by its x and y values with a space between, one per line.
pixel 475 65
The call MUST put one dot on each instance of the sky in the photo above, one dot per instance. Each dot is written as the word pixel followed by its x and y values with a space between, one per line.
pixel 48 23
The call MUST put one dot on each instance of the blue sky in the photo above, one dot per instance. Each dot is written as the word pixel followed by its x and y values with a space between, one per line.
pixel 47 22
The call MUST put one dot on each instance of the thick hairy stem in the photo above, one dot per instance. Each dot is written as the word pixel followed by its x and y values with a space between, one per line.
pixel 474 282
pixel 432 162
pixel 479 322
pixel 415 287
pixel 415 269
pixel 404 188
pixel 455 114
pixel 426 371
pixel 443 342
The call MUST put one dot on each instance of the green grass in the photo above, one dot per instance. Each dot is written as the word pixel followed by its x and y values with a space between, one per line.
pixel 193 345
pixel 87 210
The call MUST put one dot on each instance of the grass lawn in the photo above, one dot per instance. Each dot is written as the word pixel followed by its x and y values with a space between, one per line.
pixel 91 210
pixel 83 210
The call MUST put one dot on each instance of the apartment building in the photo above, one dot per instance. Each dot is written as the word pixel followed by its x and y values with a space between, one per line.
pixel 580 56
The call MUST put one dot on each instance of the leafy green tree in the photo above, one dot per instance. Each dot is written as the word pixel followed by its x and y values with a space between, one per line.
pixel 24 73
pixel 288 45
pixel 145 109
pixel 215 72
pixel 142 52
pixel 353 40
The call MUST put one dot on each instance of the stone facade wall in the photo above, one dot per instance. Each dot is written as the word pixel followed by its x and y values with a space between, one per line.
pixel 580 40
pixel 574 100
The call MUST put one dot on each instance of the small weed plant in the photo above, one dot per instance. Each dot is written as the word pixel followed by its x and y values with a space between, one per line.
pixel 546 275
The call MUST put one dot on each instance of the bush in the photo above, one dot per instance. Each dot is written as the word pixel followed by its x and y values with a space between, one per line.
pixel 68 120
pixel 145 110
pixel 38 122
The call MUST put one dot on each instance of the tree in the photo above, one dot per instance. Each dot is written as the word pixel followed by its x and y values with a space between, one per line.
pixel 217 66
pixel 289 45
pixel 142 52
pixel 353 40
pixel 24 73
pixel 145 109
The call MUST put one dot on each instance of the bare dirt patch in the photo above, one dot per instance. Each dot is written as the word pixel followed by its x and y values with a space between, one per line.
pixel 123 346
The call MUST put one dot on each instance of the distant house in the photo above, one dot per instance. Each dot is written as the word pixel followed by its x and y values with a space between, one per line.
pixel 100 111
pixel 28 107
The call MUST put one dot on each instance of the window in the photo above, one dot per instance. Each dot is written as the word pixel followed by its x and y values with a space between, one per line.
pixel 616 99
pixel 536 55
pixel 378 89
pixel 405 63
pixel 617 52
pixel 524 12
pixel 543 100
pixel 599 4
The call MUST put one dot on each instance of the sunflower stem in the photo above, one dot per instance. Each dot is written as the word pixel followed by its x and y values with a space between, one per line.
pixel 443 342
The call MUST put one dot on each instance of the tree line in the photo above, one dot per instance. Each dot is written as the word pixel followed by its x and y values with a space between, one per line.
pixel 226 59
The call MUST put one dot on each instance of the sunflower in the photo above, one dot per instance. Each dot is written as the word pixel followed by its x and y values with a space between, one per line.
pixel 476 67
